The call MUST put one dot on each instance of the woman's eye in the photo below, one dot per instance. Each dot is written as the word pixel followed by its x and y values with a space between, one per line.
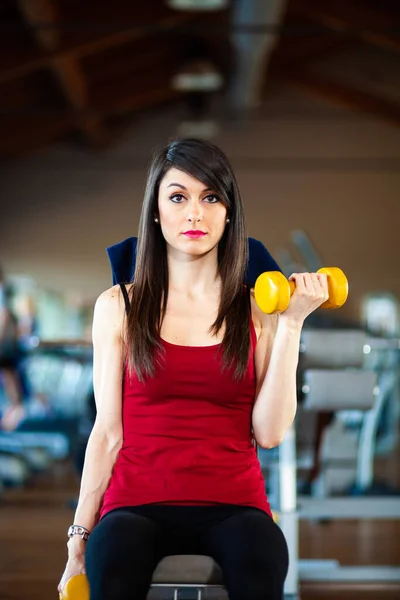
pixel 213 198
pixel 176 198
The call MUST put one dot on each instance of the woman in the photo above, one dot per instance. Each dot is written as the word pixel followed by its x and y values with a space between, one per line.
pixel 187 371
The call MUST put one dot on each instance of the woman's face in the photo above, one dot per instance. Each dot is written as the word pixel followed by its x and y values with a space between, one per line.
pixel 184 205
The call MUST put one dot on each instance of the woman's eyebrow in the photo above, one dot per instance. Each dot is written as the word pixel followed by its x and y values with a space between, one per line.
pixel 183 187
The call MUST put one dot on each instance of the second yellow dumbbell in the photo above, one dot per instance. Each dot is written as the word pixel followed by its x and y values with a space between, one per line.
pixel 273 291
pixel 76 588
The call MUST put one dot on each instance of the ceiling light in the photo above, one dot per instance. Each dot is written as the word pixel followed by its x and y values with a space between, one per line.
pixel 198 4
pixel 198 77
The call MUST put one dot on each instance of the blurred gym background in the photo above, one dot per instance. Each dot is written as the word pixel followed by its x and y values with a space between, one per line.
pixel 304 96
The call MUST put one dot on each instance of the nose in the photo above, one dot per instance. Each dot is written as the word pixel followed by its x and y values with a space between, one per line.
pixel 194 212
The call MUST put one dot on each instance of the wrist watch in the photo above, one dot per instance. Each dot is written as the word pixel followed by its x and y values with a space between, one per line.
pixel 78 530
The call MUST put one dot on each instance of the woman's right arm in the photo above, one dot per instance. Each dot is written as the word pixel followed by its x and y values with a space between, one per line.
pixel 106 437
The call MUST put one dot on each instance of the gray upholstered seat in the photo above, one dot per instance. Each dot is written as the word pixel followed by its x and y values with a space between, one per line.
pixel 337 389
pixel 187 570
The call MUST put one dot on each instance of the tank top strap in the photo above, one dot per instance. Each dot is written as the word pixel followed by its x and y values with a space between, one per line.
pixel 126 297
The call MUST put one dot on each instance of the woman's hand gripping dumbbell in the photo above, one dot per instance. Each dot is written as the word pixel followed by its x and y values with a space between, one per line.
pixel 328 288
pixel 74 584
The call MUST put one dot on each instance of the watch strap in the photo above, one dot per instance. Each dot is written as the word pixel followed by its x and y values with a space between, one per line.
pixel 78 530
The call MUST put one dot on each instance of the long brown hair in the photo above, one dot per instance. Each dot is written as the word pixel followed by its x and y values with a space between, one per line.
pixel 149 292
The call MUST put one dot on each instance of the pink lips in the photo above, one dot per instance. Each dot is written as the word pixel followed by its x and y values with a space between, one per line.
pixel 194 234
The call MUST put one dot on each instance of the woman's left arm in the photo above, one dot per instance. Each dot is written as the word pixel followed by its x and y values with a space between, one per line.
pixel 276 359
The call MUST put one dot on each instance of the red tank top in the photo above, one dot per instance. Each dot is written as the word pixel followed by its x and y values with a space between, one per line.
pixel 187 435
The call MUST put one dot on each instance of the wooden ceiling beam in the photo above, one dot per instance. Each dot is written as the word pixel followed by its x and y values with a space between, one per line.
pixel 373 25
pixel 20 138
pixel 344 95
pixel 73 82
pixel 374 38
pixel 24 68
pixel 126 36
pixel 66 68
pixel 88 48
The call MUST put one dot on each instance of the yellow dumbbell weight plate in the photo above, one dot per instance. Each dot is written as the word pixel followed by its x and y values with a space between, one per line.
pixel 338 287
pixel 272 292
pixel 76 588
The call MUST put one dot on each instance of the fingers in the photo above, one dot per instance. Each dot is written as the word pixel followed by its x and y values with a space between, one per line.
pixel 313 285
pixel 61 585
pixel 323 285
pixel 298 279
pixel 317 284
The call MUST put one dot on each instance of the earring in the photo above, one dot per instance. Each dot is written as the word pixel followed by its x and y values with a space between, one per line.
pixel 228 220
pixel 156 220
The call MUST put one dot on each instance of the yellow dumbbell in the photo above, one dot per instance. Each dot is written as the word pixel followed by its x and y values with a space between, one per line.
pixel 76 588
pixel 273 291
pixel 275 516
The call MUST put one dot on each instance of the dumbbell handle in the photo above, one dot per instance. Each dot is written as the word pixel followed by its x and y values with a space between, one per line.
pixel 338 287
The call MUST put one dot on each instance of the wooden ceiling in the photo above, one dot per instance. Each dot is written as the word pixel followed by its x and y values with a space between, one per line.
pixel 79 70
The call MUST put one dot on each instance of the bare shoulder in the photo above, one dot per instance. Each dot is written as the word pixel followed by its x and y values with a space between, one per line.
pixel 109 301
pixel 264 324
pixel 109 312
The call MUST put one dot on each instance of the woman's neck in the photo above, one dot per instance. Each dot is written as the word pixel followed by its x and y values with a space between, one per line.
pixel 196 277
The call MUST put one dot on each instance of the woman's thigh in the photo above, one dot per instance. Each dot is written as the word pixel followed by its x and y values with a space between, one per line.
pixel 252 553
pixel 121 556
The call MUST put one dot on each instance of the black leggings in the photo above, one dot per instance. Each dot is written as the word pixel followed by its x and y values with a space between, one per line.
pixel 125 547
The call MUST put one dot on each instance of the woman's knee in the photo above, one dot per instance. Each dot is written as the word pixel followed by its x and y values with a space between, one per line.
pixel 253 555
pixel 258 572
pixel 271 549
pixel 258 569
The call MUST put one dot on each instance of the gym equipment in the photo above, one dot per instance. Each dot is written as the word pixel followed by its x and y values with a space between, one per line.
pixel 335 379
pixel 337 376
pixel 51 430
pixel 380 314
pixel 273 291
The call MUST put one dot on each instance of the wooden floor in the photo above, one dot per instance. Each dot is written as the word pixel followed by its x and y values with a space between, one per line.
pixel 33 522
